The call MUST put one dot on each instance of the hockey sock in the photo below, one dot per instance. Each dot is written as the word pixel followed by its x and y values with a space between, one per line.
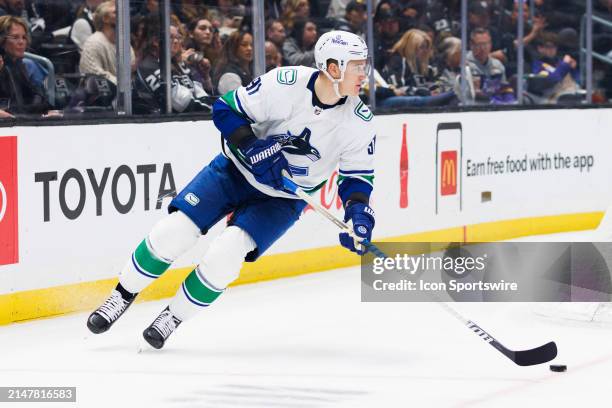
pixel 194 294
pixel 126 294
pixel 143 268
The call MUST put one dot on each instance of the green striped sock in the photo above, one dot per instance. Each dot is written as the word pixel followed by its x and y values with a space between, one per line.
pixel 198 290
pixel 147 263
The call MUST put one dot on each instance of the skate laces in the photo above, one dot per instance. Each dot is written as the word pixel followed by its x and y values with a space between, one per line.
pixel 165 323
pixel 114 306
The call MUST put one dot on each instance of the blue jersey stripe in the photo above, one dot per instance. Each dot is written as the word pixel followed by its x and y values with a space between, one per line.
pixel 356 171
pixel 241 108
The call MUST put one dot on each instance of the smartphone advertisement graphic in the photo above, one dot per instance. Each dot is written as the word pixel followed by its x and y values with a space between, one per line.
pixel 449 155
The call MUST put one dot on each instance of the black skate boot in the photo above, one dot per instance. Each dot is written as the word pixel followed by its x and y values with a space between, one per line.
pixel 103 317
pixel 161 328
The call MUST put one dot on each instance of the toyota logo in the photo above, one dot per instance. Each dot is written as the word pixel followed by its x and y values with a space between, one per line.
pixel 2 201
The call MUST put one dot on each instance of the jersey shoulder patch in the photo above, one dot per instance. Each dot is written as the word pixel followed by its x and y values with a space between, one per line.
pixel 363 112
pixel 286 76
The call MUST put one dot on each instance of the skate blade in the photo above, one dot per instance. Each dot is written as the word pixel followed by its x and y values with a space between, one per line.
pixel 143 346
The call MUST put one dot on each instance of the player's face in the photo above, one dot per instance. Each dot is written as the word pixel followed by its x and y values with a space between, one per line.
pixel 356 72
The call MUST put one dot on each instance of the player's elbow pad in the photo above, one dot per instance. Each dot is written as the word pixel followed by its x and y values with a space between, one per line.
pixel 226 120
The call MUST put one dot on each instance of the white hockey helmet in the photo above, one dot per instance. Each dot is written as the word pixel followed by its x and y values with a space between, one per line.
pixel 342 47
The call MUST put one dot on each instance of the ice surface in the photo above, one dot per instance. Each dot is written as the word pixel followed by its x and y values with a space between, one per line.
pixel 309 342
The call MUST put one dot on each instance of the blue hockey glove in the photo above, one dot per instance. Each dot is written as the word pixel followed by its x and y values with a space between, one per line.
pixel 361 217
pixel 267 162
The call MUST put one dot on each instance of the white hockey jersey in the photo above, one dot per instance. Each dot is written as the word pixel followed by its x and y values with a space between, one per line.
pixel 316 138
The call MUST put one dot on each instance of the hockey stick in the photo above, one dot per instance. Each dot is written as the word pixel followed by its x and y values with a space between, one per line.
pixel 538 355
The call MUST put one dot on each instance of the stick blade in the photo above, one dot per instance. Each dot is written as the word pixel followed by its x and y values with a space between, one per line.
pixel 538 355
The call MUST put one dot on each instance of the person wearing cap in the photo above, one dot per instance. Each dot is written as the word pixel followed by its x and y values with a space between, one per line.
pixel 386 34
pixel 354 18
pixel 337 9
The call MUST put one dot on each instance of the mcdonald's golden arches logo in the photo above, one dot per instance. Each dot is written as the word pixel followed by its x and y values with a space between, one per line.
pixel 448 172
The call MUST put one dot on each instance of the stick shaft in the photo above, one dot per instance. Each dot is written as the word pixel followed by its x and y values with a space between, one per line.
pixel 538 355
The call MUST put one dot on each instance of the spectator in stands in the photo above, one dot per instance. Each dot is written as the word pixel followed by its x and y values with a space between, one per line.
pixel 561 73
pixel 486 69
pixel 354 19
pixel 479 14
pixel 410 76
pixel 138 35
pixel 31 15
pixel 444 17
pixel 273 9
pixel 227 16
pixel 232 22
pixel 275 33
pixel 337 8
pixel 489 74
pixel 196 46
pixel 204 38
pixel 450 62
pixel 294 10
pixel 298 49
pixel 148 8
pixel 21 94
pixel 450 68
pixel 199 66
pixel 409 65
pixel 505 43
pixel 233 68
pixel 387 33
pixel 561 14
pixel 83 26
pixel 4 102
pixel 273 56
pixel 99 55
pixel 189 11
pixel 187 95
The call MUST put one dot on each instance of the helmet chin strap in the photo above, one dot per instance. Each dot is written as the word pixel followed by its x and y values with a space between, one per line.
pixel 335 82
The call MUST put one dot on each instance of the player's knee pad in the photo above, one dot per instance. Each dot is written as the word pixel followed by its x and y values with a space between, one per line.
pixel 173 235
pixel 222 262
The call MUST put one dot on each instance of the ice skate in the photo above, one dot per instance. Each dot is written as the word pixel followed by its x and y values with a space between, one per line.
pixel 103 318
pixel 161 328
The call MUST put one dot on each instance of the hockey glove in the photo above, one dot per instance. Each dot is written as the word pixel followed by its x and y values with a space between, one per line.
pixel 361 217
pixel 267 162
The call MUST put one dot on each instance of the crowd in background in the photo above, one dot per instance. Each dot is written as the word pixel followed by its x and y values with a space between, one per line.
pixel 417 51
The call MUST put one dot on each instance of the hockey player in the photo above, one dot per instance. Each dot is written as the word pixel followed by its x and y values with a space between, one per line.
pixel 298 120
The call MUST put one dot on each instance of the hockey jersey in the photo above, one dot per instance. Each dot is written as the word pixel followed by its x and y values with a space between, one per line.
pixel 187 95
pixel 316 138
